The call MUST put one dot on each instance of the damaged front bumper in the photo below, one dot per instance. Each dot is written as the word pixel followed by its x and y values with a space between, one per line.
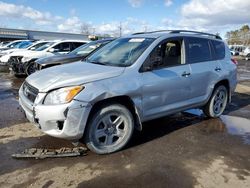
pixel 65 121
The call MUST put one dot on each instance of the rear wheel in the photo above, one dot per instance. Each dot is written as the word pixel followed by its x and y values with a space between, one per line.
pixel 109 129
pixel 217 102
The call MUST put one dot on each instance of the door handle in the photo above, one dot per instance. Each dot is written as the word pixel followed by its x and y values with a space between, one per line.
pixel 218 69
pixel 186 74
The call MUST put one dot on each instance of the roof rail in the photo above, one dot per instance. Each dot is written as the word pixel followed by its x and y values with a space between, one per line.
pixel 147 32
pixel 181 31
pixel 196 32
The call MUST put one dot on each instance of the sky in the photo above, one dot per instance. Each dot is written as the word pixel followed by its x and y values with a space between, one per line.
pixel 105 17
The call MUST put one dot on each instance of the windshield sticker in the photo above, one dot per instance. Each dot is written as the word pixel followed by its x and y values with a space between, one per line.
pixel 137 40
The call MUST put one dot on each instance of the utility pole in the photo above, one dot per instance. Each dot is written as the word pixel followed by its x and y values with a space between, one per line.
pixel 120 29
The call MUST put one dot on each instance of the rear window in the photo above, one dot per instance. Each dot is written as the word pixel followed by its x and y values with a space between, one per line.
pixel 198 50
pixel 219 49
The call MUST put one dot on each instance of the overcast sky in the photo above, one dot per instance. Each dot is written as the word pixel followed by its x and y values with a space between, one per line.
pixel 135 15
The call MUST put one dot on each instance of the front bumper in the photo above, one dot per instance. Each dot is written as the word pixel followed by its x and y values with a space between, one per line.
pixel 16 64
pixel 65 121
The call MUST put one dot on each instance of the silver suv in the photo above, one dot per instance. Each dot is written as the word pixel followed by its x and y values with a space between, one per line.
pixel 127 82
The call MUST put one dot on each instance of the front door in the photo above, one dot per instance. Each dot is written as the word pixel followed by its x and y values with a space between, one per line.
pixel 166 79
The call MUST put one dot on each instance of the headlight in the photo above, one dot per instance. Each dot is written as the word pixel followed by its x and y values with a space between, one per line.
pixel 26 59
pixel 63 95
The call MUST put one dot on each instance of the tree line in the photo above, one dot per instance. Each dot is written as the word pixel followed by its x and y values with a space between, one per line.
pixel 240 36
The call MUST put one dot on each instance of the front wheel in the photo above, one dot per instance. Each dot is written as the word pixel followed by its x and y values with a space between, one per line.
pixel 109 129
pixel 217 102
pixel 30 69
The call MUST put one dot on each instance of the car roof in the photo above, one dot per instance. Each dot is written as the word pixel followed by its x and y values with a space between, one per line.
pixel 103 40
pixel 69 40
pixel 175 33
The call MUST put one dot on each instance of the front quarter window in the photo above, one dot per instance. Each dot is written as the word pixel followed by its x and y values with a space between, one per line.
pixel 121 52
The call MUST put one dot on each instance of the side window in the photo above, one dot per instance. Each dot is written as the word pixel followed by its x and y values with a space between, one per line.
pixel 219 49
pixel 62 47
pixel 75 45
pixel 198 50
pixel 166 54
pixel 65 47
pixel 57 48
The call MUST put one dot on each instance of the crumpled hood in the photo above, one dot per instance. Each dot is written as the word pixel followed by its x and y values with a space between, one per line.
pixel 56 59
pixel 36 54
pixel 71 74
pixel 9 53
pixel 30 53
pixel 19 52
pixel 4 52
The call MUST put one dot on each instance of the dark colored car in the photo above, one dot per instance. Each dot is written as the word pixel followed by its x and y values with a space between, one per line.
pixel 76 55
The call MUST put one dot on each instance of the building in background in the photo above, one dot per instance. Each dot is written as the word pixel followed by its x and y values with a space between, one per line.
pixel 18 34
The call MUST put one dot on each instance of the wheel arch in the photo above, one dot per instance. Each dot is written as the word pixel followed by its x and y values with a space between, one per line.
pixel 226 83
pixel 123 100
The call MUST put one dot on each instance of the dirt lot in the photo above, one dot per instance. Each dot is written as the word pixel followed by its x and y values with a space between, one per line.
pixel 183 150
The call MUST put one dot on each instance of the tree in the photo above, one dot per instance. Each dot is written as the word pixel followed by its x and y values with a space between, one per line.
pixel 239 36
pixel 85 28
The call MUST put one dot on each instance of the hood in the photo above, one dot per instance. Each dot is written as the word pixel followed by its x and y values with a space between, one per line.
pixel 3 48
pixel 7 51
pixel 36 54
pixel 71 74
pixel 28 53
pixel 59 59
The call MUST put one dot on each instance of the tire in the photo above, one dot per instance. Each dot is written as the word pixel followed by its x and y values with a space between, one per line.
pixel 109 129
pixel 30 68
pixel 217 102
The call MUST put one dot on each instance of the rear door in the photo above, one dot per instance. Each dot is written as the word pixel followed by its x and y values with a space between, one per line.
pixel 205 69
pixel 166 82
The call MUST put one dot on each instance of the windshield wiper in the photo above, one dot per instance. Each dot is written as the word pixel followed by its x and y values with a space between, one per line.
pixel 98 63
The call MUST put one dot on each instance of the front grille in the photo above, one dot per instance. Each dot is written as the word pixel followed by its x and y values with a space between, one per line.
pixel 30 92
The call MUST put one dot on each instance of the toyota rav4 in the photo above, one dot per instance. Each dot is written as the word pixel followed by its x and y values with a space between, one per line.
pixel 127 82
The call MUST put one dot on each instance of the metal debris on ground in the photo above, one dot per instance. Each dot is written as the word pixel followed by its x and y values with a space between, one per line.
pixel 38 153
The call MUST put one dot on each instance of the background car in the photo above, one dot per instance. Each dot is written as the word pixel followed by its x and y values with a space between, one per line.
pixel 13 44
pixel 6 54
pixel 246 53
pixel 76 55
pixel 21 63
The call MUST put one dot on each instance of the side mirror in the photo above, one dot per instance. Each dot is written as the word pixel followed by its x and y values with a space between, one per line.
pixel 52 50
pixel 33 48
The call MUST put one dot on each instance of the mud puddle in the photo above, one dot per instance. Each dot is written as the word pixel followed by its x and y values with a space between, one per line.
pixel 232 125
pixel 237 126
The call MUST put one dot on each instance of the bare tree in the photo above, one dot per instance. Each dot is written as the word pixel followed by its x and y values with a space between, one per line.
pixel 85 28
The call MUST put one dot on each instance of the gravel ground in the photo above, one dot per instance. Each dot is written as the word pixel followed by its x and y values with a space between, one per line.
pixel 182 150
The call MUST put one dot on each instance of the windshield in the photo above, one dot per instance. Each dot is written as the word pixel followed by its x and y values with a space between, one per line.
pixel 121 52
pixel 43 47
pixel 86 49
pixel 24 44
pixel 13 44
pixel 36 46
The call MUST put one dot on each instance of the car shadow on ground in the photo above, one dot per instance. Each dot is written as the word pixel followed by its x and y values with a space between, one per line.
pixel 239 101
pixel 160 127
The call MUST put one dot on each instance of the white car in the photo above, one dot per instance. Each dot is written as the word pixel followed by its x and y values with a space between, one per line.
pixel 6 54
pixel 12 44
pixel 246 53
pixel 21 63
